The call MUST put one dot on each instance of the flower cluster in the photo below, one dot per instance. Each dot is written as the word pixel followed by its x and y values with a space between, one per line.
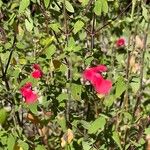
pixel 120 42
pixel 26 90
pixel 93 74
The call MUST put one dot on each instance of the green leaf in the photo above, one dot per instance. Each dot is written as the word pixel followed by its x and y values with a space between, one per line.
pixel 85 124
pixel 71 45
pixel 1 3
pixel 50 51
pixel 69 6
pixel 99 123
pixel 47 41
pixel 40 147
pixel 86 145
pixel 62 97
pixel 55 27
pixel 23 144
pixel 11 142
pixel 84 2
pixel 76 91
pixel 78 26
pixel 109 100
pixel 62 122
pixel 117 139
pixel 23 5
pixel 3 116
pixel 104 6
pixel 98 7
pixel 46 3
pixel 145 13
pixel 147 131
pixel 33 108
pixel 120 87
pixel 29 25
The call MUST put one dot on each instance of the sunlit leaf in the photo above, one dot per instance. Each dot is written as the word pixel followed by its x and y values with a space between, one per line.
pixel 117 139
pixel 46 3
pixel 3 116
pixel 78 26
pixel 99 123
pixel 120 87
pixel 69 6
pixel 98 7
pixel 23 5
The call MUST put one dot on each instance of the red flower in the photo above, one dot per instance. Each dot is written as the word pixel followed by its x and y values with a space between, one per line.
pixel 29 95
pixel 90 72
pixel 37 72
pixel 120 42
pixel 101 85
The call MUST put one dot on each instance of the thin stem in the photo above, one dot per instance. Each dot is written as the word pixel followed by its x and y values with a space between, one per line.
pixel 69 61
pixel 109 22
pixel 140 91
pixel 92 32
pixel 45 16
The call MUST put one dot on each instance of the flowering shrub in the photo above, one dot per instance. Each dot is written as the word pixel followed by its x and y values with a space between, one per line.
pixel 50 99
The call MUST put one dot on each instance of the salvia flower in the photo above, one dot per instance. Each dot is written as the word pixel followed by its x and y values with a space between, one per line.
pixel 27 92
pixel 37 72
pixel 120 42
pixel 93 74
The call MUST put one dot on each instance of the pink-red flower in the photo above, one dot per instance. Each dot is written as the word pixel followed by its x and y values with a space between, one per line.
pixel 93 74
pixel 120 42
pixel 27 92
pixel 37 72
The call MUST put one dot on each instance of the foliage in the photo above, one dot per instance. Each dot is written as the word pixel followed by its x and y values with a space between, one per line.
pixel 64 38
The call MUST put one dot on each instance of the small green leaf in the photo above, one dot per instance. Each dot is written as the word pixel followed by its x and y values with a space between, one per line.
pixel 84 2
pixel 69 6
pixel 62 122
pixel 76 91
pixel 33 108
pixel 55 27
pixel 50 51
pixel 78 26
pixel 85 124
pixel 109 100
pixel 147 131
pixel 23 5
pixel 23 144
pixel 120 87
pixel 11 142
pixel 99 123
pixel 117 139
pixel 46 41
pixel 98 7
pixel 3 116
pixel 62 97
pixel 29 25
pixel 104 6
pixel 86 145
pixel 46 3
pixel 145 13
pixel 1 3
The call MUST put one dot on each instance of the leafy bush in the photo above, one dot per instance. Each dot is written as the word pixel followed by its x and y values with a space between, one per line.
pixel 74 74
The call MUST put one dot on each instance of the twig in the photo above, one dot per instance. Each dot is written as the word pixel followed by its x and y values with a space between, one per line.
pixel 109 22
pixel 140 91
